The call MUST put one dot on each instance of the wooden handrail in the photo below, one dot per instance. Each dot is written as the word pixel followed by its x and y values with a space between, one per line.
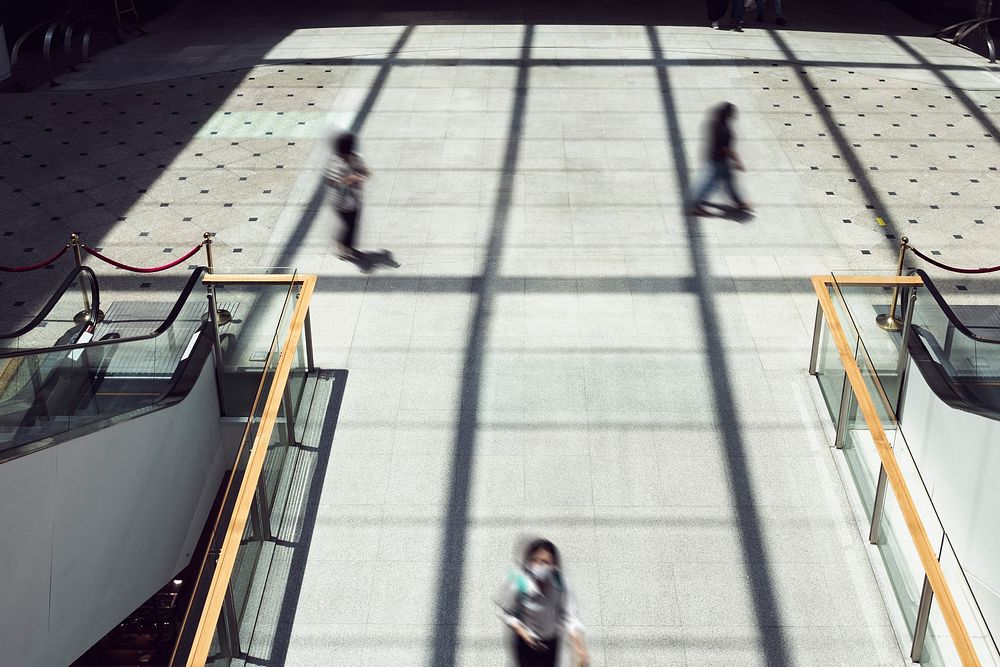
pixel 253 278
pixel 873 281
pixel 932 567
pixel 209 617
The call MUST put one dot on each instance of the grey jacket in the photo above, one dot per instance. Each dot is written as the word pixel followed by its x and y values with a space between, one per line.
pixel 523 603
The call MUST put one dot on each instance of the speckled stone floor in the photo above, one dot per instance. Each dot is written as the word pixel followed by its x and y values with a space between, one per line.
pixel 561 349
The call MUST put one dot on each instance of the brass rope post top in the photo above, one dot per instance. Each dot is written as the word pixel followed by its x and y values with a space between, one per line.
pixel 74 241
pixel 889 321
pixel 207 242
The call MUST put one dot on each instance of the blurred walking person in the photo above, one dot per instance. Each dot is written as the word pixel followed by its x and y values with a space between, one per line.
pixel 722 159
pixel 777 12
pixel 345 178
pixel 538 606
pixel 716 9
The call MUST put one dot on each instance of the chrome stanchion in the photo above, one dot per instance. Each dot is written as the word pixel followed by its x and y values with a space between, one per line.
pixel 83 315
pixel 223 316
pixel 889 321
pixel 217 347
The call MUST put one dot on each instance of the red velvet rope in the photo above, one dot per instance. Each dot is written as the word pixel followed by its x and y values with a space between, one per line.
pixel 20 269
pixel 139 269
pixel 938 264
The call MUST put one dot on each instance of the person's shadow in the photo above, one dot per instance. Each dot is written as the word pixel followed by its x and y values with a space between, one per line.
pixel 367 262
pixel 733 213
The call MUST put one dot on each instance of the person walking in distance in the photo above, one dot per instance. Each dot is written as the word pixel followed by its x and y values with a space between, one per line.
pixel 777 12
pixel 537 605
pixel 722 158
pixel 716 9
pixel 737 15
pixel 345 178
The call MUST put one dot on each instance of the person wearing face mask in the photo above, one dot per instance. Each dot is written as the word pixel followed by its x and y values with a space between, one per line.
pixel 538 606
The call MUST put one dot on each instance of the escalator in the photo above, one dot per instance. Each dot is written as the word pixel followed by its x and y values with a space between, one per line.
pixel 111 459
pixel 122 431
pixel 91 375
pixel 957 350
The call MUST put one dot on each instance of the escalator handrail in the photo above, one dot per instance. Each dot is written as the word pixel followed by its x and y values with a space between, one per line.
pixel 163 326
pixel 95 298
pixel 948 312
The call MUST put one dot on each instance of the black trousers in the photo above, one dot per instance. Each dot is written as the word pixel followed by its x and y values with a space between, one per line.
pixel 529 657
pixel 349 230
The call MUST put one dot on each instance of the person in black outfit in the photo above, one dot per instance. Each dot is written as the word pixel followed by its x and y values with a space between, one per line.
pixel 777 12
pixel 345 177
pixel 716 9
pixel 722 158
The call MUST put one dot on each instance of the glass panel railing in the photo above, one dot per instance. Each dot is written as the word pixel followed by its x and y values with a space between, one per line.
pixel 45 393
pixel 258 339
pixel 900 558
pixel 859 449
pixel 860 306
pixel 856 304
pixel 938 649
pixel 968 592
pixel 829 370
pixel 254 560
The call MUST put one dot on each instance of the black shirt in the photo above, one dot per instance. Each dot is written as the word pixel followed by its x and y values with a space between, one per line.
pixel 722 140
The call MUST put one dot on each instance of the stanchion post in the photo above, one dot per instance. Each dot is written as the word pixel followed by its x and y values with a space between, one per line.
pixel 83 315
pixel 217 348
pixel 889 321
pixel 207 242
pixel 223 316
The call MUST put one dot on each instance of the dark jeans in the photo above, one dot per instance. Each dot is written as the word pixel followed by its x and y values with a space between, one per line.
pixel 529 657
pixel 777 8
pixel 350 228
pixel 718 170
pixel 738 10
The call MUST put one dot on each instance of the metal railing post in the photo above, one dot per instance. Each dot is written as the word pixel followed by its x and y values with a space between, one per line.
pixel 890 322
pixel 923 614
pixel 286 406
pixel 876 528
pixel 846 397
pixel 904 351
pixel 310 364
pixel 229 626
pixel 817 331
pixel 217 347
pixel 260 515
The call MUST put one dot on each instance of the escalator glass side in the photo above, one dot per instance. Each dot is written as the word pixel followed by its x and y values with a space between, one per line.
pixel 964 344
pixel 46 393
pixel 227 598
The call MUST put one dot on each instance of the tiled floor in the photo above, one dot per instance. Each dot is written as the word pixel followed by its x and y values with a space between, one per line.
pixel 561 350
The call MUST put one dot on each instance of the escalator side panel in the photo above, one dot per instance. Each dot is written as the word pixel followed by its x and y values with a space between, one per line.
pixel 125 508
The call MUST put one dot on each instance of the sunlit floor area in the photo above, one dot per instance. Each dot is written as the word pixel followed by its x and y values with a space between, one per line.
pixel 562 350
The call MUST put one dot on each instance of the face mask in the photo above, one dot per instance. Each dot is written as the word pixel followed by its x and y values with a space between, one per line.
pixel 540 572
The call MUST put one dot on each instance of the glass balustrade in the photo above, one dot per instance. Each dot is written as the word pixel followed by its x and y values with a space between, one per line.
pixel 880 357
